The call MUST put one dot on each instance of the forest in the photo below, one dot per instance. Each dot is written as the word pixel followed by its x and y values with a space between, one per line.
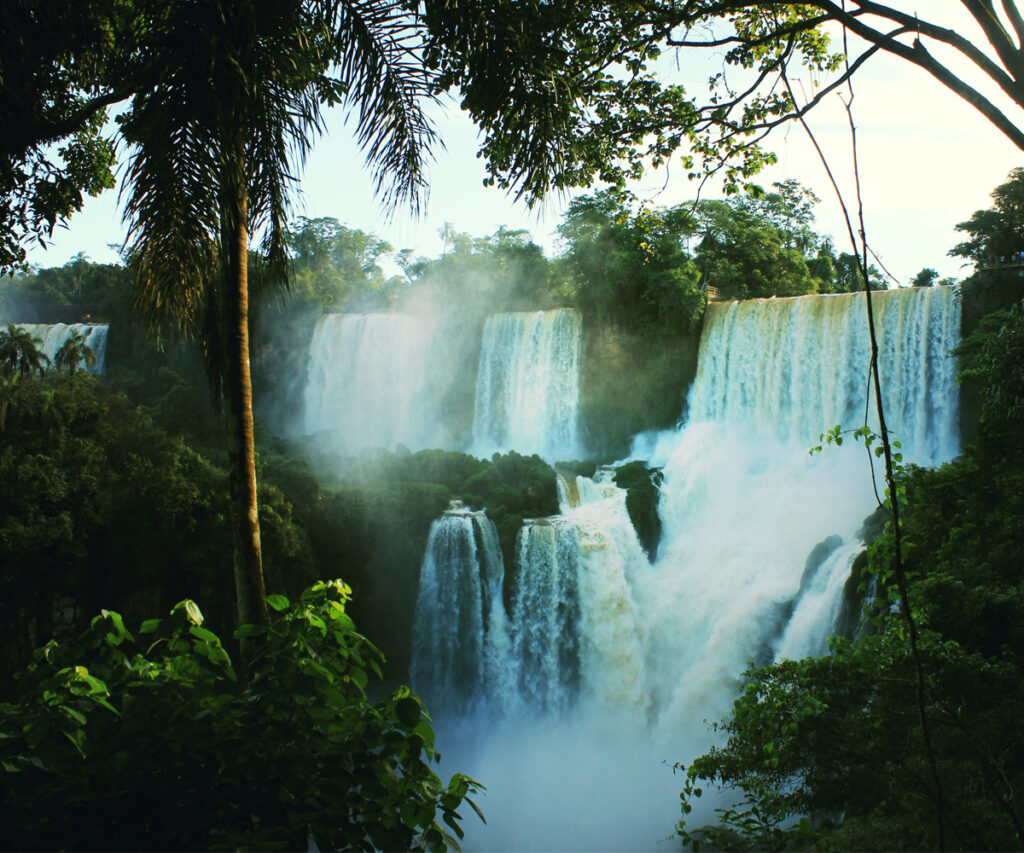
pixel 213 615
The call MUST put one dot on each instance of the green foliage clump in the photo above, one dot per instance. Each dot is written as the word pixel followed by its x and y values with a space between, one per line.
pixel 631 268
pixel 100 508
pixel 642 497
pixel 159 743
pixel 474 277
pixel 514 487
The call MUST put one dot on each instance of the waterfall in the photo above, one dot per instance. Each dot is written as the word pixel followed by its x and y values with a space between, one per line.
pixel 53 336
pixel 628 660
pixel 527 387
pixel 370 381
pixel 792 368
pixel 546 627
pixel 461 644
pixel 613 565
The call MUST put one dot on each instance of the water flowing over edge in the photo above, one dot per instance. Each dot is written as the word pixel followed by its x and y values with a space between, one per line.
pixel 53 336
pixel 758 542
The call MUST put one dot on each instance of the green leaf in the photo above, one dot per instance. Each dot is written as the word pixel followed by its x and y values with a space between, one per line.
pixel 277 601
pixel 407 710
pixel 195 615
pixel 204 634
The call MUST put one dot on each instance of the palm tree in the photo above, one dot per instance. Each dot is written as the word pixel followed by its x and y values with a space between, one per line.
pixel 215 147
pixel 20 354
pixel 73 353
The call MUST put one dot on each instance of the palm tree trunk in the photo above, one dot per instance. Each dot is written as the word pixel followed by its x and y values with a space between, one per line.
pixel 245 522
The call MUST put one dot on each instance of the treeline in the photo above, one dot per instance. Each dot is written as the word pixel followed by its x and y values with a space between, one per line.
pixel 637 265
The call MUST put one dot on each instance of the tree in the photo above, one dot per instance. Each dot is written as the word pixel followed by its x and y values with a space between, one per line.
pixel 59 72
pixel 996 234
pixel 73 353
pixel 925 278
pixel 333 264
pixel 605 110
pixel 995 246
pixel 215 147
pixel 630 266
pixel 20 354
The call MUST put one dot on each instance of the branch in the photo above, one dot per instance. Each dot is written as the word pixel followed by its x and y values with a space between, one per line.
pixel 996 34
pixel 920 56
pixel 943 35
pixel 1016 19
pixel 798 27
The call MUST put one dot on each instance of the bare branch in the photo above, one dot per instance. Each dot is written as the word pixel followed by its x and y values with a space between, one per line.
pixel 996 34
pixel 1016 19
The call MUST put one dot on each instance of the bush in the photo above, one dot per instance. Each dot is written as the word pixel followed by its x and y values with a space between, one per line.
pixel 114 743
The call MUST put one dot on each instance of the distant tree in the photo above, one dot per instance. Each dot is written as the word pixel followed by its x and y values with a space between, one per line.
pixel 925 278
pixel 631 267
pixel 996 233
pixel 73 353
pixel 502 271
pixel 751 247
pixel 850 279
pixel 334 265
pixel 20 354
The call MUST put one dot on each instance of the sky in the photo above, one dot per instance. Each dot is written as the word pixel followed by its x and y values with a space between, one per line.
pixel 927 161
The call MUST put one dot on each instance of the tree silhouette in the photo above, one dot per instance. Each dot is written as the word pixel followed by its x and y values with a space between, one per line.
pixel 20 354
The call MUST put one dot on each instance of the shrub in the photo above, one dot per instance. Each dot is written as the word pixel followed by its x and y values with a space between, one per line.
pixel 114 743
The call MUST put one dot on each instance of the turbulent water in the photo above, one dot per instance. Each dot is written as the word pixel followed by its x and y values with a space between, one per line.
pixel 53 336
pixel 618 663
pixel 527 385
pixel 370 381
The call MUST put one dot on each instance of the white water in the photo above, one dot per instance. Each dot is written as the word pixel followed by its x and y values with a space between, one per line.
pixel 371 382
pixel 527 386
pixel 792 368
pixel 661 648
pixel 53 336
pixel 461 651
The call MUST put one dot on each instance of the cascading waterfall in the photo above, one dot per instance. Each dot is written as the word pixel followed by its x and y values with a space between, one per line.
pixel 794 367
pixel 613 565
pixel 758 541
pixel 370 381
pixel 54 335
pixel 527 387
pixel 461 644
pixel 546 613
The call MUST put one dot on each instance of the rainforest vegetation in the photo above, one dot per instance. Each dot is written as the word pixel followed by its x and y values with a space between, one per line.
pixel 154 665
pixel 114 489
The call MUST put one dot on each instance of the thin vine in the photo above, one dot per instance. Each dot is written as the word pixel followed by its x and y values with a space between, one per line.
pixel 860 251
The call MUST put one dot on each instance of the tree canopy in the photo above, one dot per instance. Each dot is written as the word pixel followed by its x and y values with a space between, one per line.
pixel 605 106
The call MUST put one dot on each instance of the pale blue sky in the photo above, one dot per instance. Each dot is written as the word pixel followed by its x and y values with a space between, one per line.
pixel 927 161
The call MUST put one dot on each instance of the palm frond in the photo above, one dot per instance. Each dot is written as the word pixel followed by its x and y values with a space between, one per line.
pixel 380 67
